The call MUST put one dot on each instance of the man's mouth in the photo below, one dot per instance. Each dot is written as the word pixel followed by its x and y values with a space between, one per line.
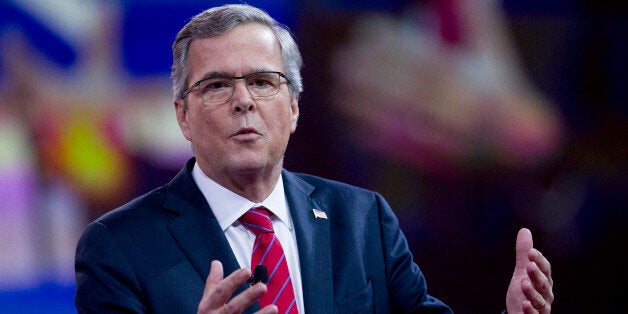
pixel 245 134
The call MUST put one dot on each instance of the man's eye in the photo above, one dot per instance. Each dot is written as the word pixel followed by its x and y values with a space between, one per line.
pixel 216 85
pixel 261 82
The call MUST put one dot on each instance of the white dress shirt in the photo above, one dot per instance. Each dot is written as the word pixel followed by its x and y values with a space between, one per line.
pixel 228 207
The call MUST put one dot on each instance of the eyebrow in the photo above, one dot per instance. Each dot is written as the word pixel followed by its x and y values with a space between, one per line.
pixel 214 74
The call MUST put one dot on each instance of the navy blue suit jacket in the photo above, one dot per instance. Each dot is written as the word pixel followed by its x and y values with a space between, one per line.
pixel 153 254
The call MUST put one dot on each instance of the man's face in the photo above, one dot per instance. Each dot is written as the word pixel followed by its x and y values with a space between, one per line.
pixel 243 135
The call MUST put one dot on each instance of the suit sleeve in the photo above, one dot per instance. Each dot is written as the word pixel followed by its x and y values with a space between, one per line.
pixel 407 286
pixel 104 278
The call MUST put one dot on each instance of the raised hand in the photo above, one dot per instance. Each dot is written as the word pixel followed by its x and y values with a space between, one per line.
pixel 530 289
pixel 218 291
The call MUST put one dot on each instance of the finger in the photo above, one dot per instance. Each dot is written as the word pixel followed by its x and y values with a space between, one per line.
pixel 215 274
pixel 534 297
pixel 540 282
pixel 214 278
pixel 528 308
pixel 223 291
pixel 269 309
pixel 543 264
pixel 538 278
pixel 218 290
pixel 522 247
pixel 545 286
pixel 243 300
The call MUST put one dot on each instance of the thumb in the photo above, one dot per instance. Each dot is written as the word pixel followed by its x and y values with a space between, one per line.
pixel 215 273
pixel 522 247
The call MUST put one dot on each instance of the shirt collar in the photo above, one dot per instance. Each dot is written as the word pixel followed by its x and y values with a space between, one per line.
pixel 228 206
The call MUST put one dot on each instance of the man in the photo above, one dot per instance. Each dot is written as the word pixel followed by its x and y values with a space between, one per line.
pixel 189 246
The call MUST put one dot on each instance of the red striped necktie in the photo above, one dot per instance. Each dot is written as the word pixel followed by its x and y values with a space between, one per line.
pixel 267 251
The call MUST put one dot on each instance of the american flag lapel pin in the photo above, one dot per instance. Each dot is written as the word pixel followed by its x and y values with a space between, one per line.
pixel 319 213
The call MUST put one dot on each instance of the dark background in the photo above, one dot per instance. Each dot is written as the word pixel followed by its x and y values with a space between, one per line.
pixel 460 222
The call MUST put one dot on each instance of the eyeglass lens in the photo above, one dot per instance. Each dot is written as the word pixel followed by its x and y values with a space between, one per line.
pixel 261 84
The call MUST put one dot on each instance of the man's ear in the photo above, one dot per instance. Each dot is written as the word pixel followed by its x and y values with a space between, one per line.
pixel 181 109
pixel 294 106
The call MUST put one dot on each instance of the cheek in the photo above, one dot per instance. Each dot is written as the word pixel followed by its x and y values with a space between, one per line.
pixel 203 124
pixel 284 124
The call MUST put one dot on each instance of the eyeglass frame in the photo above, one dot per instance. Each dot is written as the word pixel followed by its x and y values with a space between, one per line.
pixel 234 78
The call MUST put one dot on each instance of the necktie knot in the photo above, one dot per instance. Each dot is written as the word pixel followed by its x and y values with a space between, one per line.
pixel 257 220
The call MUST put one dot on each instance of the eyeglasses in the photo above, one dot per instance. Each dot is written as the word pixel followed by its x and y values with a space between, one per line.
pixel 220 88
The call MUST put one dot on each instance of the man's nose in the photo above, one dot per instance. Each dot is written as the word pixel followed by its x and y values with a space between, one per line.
pixel 242 100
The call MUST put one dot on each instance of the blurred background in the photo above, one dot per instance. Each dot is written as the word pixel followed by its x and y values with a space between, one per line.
pixel 472 117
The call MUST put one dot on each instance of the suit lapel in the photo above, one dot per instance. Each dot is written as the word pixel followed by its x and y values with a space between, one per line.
pixel 313 240
pixel 196 229
pixel 200 237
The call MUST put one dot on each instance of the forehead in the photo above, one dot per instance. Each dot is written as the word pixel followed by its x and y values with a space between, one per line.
pixel 246 48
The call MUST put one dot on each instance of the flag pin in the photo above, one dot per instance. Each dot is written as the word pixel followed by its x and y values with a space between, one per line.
pixel 319 213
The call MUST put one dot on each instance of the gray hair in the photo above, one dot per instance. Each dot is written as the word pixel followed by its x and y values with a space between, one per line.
pixel 220 20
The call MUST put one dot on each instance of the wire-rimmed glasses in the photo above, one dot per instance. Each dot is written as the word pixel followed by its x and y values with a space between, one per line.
pixel 220 88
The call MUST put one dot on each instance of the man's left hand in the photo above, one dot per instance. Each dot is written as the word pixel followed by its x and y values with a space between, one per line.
pixel 530 290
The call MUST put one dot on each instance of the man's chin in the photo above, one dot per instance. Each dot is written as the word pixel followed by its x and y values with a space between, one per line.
pixel 267 166
pixel 252 166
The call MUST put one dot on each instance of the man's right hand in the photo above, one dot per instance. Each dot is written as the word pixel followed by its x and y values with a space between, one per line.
pixel 218 290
